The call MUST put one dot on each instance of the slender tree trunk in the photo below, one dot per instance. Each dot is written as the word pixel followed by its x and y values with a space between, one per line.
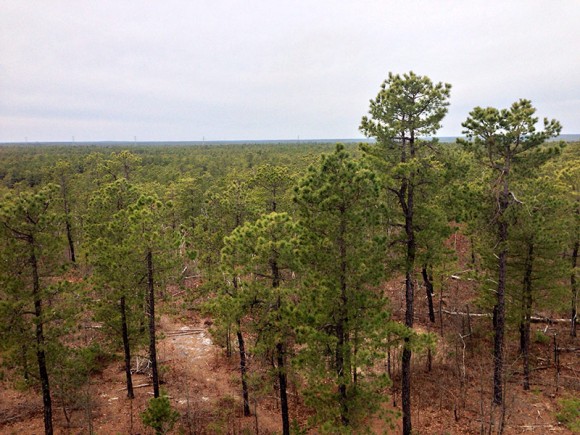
pixel 499 309
pixel 574 286
pixel 280 353
pixel 243 370
pixel 152 347
pixel 243 363
pixel 71 245
pixel 471 247
pixel 409 313
pixel 429 289
pixel 406 201
pixel 126 348
pixel 40 355
pixel 340 372
pixel 282 380
pixel 526 315
pixel 354 358
pixel 228 341
pixel 406 389
pixel 341 326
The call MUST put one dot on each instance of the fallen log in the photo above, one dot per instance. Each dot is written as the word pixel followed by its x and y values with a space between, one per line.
pixel 136 386
pixel 537 319
pixel 533 319
pixel 461 313
pixel 183 332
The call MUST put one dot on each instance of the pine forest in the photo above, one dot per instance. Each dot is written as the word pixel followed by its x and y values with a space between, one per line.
pixel 396 285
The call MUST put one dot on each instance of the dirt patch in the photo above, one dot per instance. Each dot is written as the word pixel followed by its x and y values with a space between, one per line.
pixel 201 383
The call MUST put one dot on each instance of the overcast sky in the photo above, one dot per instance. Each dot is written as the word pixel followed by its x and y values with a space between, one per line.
pixel 271 69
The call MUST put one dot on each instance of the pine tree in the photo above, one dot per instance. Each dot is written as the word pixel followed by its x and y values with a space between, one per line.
pixel 155 245
pixel 568 177
pixel 537 238
pixel 273 183
pixel 406 108
pixel 262 256
pixel 27 226
pixel 343 318
pixel 63 173
pixel 498 138
pixel 113 258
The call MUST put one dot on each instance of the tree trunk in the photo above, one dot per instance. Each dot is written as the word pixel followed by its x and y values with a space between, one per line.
pixel 243 363
pixel 341 325
pixel 526 316
pixel 429 289
pixel 354 358
pixel 574 287
pixel 406 389
pixel 152 347
pixel 243 370
pixel 282 380
pixel 340 372
pixel 71 246
pixel 280 357
pixel 409 312
pixel 40 355
pixel 126 348
pixel 228 341
pixel 473 261
pixel 499 309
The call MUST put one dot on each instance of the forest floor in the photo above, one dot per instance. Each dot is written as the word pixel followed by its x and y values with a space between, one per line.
pixel 201 382
pixel 452 396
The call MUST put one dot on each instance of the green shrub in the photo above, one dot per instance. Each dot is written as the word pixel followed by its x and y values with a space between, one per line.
pixel 569 414
pixel 541 338
pixel 159 415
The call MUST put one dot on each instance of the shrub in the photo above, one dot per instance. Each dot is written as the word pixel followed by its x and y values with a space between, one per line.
pixel 159 415
pixel 541 338
pixel 569 414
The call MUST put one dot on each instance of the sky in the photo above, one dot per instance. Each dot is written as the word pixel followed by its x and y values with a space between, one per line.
pixel 271 69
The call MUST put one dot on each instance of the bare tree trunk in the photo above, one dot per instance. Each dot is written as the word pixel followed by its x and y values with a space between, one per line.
pixel 557 363
pixel 354 359
pixel 228 341
pixel 126 348
pixel 574 287
pixel 152 346
pixel 499 309
pixel 71 246
pixel 243 369
pixel 472 249
pixel 409 312
pixel 280 354
pixel 429 288
pixel 341 333
pixel 526 316
pixel 341 373
pixel 40 355
pixel 282 380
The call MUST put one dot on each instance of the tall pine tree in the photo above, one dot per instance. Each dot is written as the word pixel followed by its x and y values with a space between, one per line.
pixel 498 138
pixel 406 109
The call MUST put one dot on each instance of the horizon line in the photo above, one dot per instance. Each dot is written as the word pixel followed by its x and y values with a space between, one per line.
pixel 573 136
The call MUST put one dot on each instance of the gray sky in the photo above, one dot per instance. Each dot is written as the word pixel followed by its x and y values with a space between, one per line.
pixel 271 69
